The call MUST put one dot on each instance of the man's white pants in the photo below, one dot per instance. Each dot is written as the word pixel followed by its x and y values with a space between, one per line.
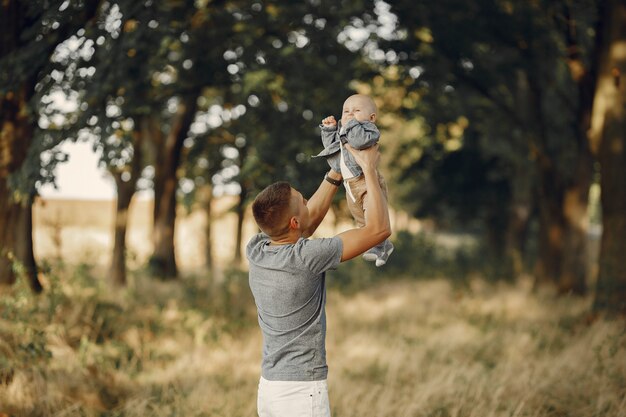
pixel 293 399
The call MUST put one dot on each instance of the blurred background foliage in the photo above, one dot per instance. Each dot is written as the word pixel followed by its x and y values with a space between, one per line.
pixel 486 107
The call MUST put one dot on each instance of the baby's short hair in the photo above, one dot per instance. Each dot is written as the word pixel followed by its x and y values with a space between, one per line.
pixel 271 208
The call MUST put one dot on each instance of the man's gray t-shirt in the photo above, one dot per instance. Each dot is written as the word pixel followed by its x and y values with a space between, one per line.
pixel 288 285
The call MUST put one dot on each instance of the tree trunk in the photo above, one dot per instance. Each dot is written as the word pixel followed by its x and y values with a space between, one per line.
pixel 576 268
pixel 241 208
pixel 516 236
pixel 562 211
pixel 562 235
pixel 163 260
pixel 241 213
pixel 208 248
pixel 125 192
pixel 550 195
pixel 500 265
pixel 16 132
pixel 573 278
pixel 551 231
pixel 16 227
pixel 608 141
pixel 507 224
pixel 16 241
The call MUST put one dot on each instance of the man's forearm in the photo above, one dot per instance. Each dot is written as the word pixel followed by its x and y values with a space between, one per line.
pixel 376 211
pixel 320 201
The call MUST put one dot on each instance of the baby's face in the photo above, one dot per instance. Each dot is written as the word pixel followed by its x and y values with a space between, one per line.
pixel 358 107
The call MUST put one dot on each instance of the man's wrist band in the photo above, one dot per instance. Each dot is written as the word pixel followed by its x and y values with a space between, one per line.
pixel 334 182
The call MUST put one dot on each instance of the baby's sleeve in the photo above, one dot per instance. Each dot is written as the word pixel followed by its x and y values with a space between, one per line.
pixel 328 134
pixel 361 135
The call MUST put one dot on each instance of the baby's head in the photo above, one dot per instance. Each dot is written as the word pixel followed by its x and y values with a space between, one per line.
pixel 359 107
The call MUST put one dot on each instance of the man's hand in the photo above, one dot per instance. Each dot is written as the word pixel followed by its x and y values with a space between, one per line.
pixel 329 121
pixel 367 158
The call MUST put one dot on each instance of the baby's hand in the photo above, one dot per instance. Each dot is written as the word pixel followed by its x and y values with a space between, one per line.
pixel 329 121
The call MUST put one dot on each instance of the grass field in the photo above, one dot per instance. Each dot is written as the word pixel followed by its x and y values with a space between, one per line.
pixel 402 347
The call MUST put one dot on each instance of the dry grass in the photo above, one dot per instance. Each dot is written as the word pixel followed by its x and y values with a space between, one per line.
pixel 425 349
pixel 403 348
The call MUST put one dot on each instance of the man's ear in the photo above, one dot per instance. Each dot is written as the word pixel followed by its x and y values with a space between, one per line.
pixel 294 223
pixel 373 117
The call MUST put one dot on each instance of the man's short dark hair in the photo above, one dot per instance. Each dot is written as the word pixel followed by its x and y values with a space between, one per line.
pixel 271 208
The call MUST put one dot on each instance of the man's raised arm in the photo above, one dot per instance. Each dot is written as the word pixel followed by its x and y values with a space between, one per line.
pixel 319 203
pixel 377 226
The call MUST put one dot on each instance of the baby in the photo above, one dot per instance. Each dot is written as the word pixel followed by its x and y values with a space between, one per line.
pixel 357 128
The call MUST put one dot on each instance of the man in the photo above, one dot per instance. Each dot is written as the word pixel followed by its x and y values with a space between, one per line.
pixel 287 279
